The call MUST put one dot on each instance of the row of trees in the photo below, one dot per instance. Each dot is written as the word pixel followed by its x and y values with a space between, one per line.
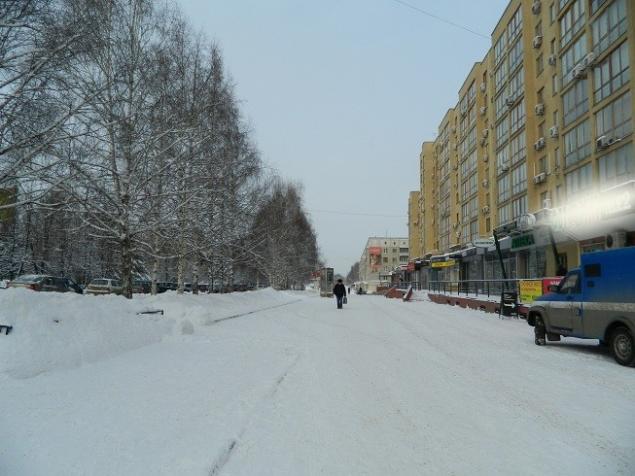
pixel 123 152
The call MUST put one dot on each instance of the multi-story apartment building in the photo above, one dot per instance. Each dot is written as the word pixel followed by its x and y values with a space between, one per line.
pixel 379 259
pixel 538 147
pixel 415 241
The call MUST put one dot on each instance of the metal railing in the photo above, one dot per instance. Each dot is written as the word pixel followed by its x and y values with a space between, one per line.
pixel 475 287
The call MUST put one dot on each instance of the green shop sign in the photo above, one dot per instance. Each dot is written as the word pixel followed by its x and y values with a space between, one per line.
pixel 523 241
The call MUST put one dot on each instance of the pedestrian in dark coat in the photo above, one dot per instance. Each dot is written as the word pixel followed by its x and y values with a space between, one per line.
pixel 340 291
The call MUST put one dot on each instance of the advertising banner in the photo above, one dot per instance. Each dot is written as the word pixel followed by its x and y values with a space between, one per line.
pixel 546 282
pixel 443 264
pixel 530 289
pixel 374 258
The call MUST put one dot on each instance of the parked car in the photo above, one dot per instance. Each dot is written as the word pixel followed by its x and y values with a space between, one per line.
pixel 43 282
pixel 141 286
pixel 166 286
pixel 104 286
pixel 595 301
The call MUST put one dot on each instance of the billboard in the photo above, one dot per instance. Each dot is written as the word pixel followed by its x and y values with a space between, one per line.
pixel 374 258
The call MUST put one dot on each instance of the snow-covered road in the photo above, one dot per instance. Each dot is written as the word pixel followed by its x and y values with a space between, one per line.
pixel 382 387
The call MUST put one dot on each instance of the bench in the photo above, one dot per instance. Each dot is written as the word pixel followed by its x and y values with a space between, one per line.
pixel 151 311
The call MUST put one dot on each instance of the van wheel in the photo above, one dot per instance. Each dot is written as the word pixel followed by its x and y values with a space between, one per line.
pixel 622 346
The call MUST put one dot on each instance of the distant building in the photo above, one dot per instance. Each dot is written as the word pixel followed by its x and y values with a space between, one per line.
pixel 381 256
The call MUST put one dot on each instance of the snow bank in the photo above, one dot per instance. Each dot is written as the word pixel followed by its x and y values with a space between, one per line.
pixel 54 331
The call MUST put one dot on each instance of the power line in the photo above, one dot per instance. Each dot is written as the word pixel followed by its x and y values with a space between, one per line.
pixel 405 4
pixel 335 212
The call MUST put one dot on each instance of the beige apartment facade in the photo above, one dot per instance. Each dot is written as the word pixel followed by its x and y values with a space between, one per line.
pixel 380 258
pixel 543 128
pixel 415 239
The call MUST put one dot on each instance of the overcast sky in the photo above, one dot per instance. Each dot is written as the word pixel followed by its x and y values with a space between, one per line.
pixel 340 95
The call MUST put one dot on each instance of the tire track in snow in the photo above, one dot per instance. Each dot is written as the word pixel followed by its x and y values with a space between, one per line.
pixel 221 319
pixel 226 452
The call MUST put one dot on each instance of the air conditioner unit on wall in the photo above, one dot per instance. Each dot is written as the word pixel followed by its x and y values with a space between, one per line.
pixel 553 131
pixel 540 178
pixel 617 239
pixel 535 7
pixel 485 183
pixel 509 101
pixel 552 59
pixel 483 87
pixel 579 71
pixel 540 109
pixel 539 144
pixel 504 168
pixel 603 142
pixel 537 41
pixel 483 110
pixel 485 209
pixel 485 132
pixel 588 60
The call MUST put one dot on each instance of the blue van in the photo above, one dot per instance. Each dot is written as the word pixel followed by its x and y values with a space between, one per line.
pixel 594 301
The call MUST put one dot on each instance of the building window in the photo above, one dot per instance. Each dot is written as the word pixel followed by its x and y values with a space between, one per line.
pixel 571 22
pixel 575 102
pixel 502 132
pixel 471 138
pixel 470 186
pixel 471 93
pixel 502 157
pixel 614 121
pixel 504 214
pixel 609 26
pixel 501 106
pixel 499 48
pixel 515 54
pixel 473 229
pixel 542 165
pixel 518 117
pixel 504 191
pixel 617 166
pixel 554 85
pixel 517 83
pixel 518 149
pixel 596 4
pixel 469 164
pixel 500 76
pixel 519 179
pixel 579 180
pixel 472 116
pixel 552 13
pixel 519 207
pixel 577 144
pixel 571 58
pixel 515 25
pixel 539 65
pixel 612 73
